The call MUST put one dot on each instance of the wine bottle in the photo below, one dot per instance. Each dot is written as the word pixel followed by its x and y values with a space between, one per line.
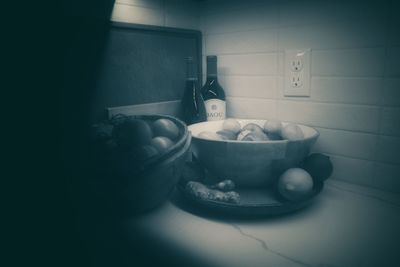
pixel 213 93
pixel 193 109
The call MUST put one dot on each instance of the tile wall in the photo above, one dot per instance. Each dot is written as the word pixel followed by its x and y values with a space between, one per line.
pixel 355 84
pixel 168 13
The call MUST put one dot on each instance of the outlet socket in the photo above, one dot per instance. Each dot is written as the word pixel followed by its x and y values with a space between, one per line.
pixel 297 80
pixel 297 64
pixel 297 72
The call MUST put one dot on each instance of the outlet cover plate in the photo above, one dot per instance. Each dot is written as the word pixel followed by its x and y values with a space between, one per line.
pixel 294 58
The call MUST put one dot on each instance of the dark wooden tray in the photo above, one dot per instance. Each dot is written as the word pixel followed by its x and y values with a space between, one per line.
pixel 254 201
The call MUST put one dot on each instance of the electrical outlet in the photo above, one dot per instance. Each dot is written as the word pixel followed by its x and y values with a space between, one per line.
pixel 297 72
pixel 297 64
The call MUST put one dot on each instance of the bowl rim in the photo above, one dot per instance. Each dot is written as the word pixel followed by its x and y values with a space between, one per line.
pixel 314 135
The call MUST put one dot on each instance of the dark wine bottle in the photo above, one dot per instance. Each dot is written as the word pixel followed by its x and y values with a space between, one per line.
pixel 193 109
pixel 213 93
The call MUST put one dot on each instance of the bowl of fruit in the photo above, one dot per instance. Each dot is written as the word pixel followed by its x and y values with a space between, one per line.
pixel 250 152
pixel 137 160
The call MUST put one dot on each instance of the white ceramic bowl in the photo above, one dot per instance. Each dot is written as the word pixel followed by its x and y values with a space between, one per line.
pixel 249 163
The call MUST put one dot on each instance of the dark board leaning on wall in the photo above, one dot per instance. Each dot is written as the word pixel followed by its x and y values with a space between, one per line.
pixel 143 64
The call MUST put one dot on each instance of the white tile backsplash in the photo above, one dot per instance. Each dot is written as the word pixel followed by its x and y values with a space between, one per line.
pixel 352 170
pixel 387 177
pixel 348 62
pixel 137 14
pixel 242 42
pixel 309 12
pixel 240 19
pixel 248 64
pixel 181 20
pixel 182 14
pixel 335 116
pixel 388 149
pixel 394 36
pixel 250 108
pixel 346 143
pixel 323 36
pixel 392 62
pixel 394 23
pixel 391 93
pixel 347 90
pixel 390 122
pixel 226 6
pixel 249 86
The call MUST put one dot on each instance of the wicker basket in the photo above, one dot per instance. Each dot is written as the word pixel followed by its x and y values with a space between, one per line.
pixel 138 189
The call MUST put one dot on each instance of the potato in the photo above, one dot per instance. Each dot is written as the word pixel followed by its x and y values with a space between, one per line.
pixel 292 132
pixel 231 125
pixel 253 128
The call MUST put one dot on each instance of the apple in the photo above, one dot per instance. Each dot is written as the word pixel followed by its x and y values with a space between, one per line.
pixel 132 133
pixel 161 143
pixel 166 128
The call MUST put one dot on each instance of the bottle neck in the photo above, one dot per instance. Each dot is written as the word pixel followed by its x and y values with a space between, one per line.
pixel 191 74
pixel 212 69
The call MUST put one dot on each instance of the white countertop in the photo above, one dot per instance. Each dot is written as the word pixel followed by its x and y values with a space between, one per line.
pixel 347 225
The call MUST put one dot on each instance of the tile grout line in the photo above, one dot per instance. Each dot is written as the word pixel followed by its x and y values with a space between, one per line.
pixel 298 100
pixel 361 159
pixel 372 196
pixel 315 76
pixel 279 50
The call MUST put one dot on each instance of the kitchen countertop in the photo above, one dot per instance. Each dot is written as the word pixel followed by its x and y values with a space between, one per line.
pixel 346 225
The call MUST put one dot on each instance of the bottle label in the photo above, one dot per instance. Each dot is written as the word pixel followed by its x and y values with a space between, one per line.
pixel 216 109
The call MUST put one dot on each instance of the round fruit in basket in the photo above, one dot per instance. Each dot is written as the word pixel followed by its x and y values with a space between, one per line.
pixel 141 166
pixel 161 143
pixel 166 128
pixel 132 133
